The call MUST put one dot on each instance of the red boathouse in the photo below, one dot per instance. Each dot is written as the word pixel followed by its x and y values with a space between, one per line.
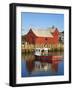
pixel 42 36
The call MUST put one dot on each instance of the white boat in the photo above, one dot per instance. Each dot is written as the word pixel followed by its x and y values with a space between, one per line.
pixel 41 51
pixel 42 55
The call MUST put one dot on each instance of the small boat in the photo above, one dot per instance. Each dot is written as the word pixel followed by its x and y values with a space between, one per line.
pixel 41 51
pixel 42 55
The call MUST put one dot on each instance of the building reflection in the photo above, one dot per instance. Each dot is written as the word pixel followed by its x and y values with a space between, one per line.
pixel 39 66
pixel 49 63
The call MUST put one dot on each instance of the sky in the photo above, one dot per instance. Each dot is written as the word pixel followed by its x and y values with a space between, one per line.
pixel 41 20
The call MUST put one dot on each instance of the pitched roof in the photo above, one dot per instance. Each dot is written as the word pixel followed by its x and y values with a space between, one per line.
pixel 42 32
pixel 52 29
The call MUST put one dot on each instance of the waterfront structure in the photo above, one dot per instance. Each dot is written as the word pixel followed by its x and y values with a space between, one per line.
pixel 61 37
pixel 42 36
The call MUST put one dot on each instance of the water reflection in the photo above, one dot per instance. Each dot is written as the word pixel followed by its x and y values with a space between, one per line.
pixel 50 65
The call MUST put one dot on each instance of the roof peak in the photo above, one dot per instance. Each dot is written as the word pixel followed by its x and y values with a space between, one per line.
pixel 53 27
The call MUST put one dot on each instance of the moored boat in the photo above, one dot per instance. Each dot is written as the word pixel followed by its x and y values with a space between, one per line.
pixel 43 56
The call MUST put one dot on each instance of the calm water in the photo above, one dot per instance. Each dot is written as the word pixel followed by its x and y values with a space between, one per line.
pixel 51 65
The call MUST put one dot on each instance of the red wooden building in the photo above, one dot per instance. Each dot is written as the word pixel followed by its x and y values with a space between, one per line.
pixel 43 36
